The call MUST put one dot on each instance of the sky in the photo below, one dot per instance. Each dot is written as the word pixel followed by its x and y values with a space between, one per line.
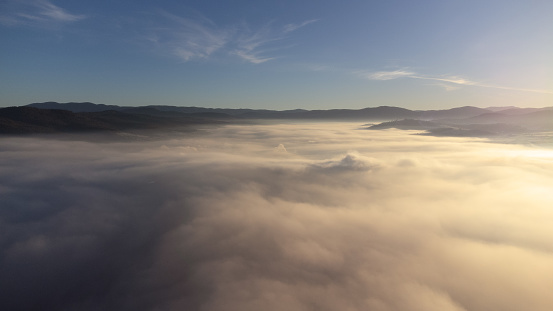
pixel 431 54
pixel 275 217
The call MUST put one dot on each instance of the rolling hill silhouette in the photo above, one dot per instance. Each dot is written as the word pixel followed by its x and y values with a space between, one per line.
pixel 26 120
pixel 51 117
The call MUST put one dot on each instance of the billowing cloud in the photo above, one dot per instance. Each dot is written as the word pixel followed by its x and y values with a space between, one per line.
pixel 339 219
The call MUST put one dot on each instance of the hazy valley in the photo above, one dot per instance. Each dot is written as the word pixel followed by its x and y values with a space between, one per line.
pixel 279 215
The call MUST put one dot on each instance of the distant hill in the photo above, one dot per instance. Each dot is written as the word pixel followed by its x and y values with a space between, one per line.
pixel 371 113
pixel 75 107
pixel 381 113
pixel 150 110
pixel 26 120
pixel 484 125
pixel 515 110
pixel 497 109
pixel 537 120
pixel 461 121
pixel 19 120
pixel 454 113
pixel 407 124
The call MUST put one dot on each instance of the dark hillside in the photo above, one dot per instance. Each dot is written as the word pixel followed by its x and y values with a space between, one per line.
pixel 24 120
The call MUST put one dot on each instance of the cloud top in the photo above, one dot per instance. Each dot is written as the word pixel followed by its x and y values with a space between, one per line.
pixel 221 220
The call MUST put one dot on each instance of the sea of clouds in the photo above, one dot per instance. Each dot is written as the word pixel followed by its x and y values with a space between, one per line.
pixel 276 217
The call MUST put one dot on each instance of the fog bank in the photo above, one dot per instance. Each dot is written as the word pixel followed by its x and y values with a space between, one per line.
pixel 276 217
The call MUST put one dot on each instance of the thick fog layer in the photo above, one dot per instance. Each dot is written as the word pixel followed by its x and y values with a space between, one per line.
pixel 276 217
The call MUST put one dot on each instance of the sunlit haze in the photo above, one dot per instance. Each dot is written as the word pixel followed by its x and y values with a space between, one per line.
pixel 277 217
pixel 264 155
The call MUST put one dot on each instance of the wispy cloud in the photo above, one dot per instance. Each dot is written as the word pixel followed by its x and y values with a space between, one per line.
pixel 37 12
pixel 190 39
pixel 251 46
pixel 55 13
pixel 254 58
pixel 447 87
pixel 199 38
pixel 449 79
pixel 517 89
pixel 451 82
pixel 291 27
pixel 385 75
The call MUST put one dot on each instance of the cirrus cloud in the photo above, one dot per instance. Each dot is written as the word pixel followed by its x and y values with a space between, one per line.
pixel 37 12
pixel 452 82
pixel 197 38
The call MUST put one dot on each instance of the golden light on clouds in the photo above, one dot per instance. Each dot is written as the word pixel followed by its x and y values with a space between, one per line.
pixel 280 217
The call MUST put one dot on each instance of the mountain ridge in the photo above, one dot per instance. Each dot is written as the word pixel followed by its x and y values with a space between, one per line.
pixel 87 116
pixel 31 120
pixel 372 113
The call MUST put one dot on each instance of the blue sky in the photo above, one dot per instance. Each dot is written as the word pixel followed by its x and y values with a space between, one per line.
pixel 278 54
